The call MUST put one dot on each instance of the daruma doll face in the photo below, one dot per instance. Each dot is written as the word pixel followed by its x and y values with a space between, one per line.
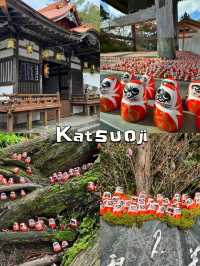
pixel 126 77
pixel 194 90
pixel 166 97
pixel 134 92
pixel 108 85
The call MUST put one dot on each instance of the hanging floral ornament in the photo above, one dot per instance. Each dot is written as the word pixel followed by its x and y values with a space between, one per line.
pixel 11 43
pixel 45 54
pixel 58 56
pixel 46 70
pixel 29 49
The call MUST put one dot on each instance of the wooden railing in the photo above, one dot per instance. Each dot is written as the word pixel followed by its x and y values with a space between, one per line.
pixel 28 102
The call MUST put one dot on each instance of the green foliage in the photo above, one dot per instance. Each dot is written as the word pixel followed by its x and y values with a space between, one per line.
pixel 110 45
pixel 87 232
pixel 91 15
pixel 9 139
pixel 185 222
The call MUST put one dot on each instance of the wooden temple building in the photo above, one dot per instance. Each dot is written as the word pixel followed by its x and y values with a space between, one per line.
pixel 165 12
pixel 42 56
pixel 189 35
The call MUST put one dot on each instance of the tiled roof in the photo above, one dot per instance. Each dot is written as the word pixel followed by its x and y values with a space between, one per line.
pixel 57 10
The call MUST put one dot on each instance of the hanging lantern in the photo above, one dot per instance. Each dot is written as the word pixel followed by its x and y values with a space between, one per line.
pixel 45 54
pixel 11 44
pixel 85 64
pixel 29 49
pixel 58 56
pixel 46 70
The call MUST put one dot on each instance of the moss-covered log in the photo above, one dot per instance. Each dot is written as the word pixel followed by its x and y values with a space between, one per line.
pixel 31 237
pixel 28 186
pixel 72 199
pixel 45 261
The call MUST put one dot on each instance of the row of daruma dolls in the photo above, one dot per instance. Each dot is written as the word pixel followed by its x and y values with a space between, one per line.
pixel 62 177
pixel 119 204
pixel 12 195
pixel 185 68
pixel 24 158
pixel 132 96
pixel 10 181
pixel 40 226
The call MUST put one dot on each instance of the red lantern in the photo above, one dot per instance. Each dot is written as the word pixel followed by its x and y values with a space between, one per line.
pixel 13 195
pixel 91 187
pixel 133 106
pixel 23 227
pixel 57 247
pixel 23 193
pixel 52 224
pixel 16 227
pixel 110 94
pixel 31 223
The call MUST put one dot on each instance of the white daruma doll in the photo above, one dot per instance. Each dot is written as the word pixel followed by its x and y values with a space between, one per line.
pixel 149 85
pixel 168 110
pixel 193 99
pixel 110 94
pixel 133 106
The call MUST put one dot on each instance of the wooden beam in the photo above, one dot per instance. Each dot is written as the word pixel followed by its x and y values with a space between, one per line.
pixel 134 18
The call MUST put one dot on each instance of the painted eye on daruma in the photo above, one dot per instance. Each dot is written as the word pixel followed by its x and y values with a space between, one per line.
pixel 196 88
pixel 106 84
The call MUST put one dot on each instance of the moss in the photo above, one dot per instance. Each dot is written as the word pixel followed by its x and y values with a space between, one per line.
pixel 69 235
pixel 185 222
pixel 87 233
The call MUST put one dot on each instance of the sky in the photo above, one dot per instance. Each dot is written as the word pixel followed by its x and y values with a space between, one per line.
pixel 191 6
pixel 41 3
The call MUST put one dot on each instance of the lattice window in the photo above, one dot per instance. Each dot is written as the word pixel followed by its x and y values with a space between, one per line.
pixel 6 71
pixel 28 71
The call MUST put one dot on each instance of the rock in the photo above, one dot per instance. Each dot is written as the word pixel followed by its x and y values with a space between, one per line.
pixel 136 244
pixel 90 257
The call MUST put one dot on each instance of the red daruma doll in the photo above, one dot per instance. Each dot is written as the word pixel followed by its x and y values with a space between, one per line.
pixel 193 99
pixel 168 110
pixel 149 84
pixel 133 106
pixel 126 78
pixel 110 94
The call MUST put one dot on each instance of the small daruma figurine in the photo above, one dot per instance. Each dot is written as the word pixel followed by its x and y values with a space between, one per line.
pixel 149 85
pixel 133 106
pixel 193 99
pixel 168 110
pixel 56 247
pixel 110 94
pixel 126 78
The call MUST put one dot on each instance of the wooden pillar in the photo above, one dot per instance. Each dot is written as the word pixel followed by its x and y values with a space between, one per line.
pixel 133 30
pixel 88 110
pixel 58 116
pixel 29 120
pixel 45 118
pixel 175 14
pixel 165 29
pixel 10 121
